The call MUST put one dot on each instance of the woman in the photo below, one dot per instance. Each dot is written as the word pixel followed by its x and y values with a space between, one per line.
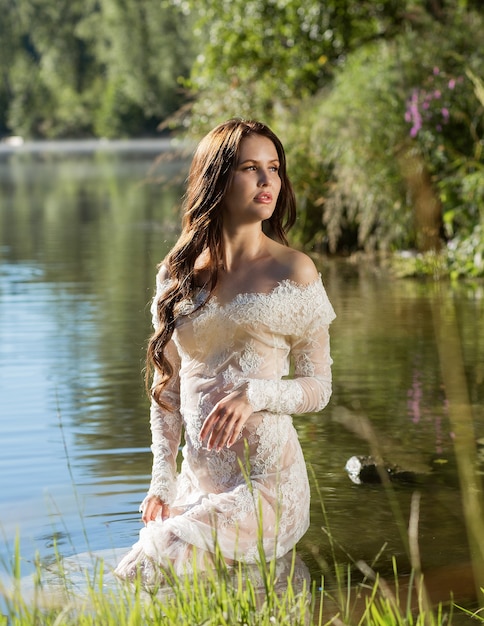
pixel 233 305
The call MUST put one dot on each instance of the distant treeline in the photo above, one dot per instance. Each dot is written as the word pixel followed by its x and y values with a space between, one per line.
pixel 111 68
pixel 77 68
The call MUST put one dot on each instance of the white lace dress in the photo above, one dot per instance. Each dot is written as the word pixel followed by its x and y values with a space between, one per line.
pixel 215 348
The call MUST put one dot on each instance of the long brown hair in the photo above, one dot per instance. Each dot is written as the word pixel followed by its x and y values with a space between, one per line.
pixel 208 181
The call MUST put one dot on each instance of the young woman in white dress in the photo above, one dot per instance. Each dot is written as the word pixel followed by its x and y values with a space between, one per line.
pixel 234 307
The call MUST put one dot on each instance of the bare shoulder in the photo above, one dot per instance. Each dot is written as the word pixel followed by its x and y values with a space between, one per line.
pixel 295 265
pixel 303 270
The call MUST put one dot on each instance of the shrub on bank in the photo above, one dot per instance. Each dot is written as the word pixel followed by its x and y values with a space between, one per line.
pixel 391 156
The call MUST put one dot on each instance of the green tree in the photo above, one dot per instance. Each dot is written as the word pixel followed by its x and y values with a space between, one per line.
pixel 334 80
pixel 50 77
pixel 256 56
pixel 365 178
pixel 10 47
pixel 144 48
pixel 107 67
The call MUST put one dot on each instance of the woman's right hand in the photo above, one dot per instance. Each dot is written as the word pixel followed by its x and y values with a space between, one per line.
pixel 227 419
pixel 153 509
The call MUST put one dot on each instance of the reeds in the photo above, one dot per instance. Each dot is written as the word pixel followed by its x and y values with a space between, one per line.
pixel 272 592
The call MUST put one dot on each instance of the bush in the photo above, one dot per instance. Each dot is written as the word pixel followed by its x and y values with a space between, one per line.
pixel 403 118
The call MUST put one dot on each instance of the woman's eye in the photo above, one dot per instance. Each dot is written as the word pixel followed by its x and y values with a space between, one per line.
pixel 253 168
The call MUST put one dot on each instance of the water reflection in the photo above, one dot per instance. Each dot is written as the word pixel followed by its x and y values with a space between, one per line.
pixel 79 241
pixel 80 238
pixel 387 371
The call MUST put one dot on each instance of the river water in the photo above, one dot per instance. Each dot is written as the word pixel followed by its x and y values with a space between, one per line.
pixel 81 232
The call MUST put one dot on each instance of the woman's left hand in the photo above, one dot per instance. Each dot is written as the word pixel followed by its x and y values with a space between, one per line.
pixel 153 508
pixel 226 420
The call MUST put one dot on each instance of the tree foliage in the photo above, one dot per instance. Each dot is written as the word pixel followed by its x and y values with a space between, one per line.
pixel 103 67
pixel 375 169
pixel 256 56
pixel 334 79
pixel 358 90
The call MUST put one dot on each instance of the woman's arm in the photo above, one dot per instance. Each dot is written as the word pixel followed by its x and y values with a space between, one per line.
pixel 309 389
pixel 166 428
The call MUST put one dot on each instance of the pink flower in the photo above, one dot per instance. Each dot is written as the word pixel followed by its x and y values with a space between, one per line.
pixel 451 84
pixel 415 128
pixel 445 113
pixel 436 71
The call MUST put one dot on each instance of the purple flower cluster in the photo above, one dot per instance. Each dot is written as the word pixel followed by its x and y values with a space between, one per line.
pixel 430 105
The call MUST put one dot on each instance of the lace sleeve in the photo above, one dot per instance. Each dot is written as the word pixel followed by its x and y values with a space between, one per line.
pixel 166 427
pixel 310 388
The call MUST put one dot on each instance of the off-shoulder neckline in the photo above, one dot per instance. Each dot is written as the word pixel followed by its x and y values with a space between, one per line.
pixel 202 297
pixel 260 295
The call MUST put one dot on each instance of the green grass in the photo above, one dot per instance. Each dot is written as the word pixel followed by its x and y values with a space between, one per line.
pixel 271 592
pixel 220 596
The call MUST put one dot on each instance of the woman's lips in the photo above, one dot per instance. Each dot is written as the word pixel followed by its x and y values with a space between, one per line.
pixel 264 198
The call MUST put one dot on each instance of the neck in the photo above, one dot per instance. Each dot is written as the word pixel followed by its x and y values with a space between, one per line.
pixel 242 246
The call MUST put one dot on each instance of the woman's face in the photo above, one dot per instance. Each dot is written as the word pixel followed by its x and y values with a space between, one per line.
pixel 255 184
